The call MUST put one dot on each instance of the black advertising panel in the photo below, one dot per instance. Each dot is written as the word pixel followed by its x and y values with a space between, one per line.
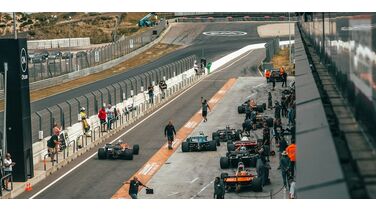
pixel 19 140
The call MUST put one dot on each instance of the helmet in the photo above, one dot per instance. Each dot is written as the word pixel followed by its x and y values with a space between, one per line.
pixel 241 166
pixel 243 148
pixel 83 109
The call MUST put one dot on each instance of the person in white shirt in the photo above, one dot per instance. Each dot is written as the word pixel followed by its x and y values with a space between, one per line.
pixel 8 163
pixel 110 116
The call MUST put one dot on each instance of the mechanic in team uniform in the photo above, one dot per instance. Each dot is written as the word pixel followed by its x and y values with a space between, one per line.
pixel 133 187
pixel 169 132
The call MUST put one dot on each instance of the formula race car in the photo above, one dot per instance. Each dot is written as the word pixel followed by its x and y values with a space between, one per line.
pixel 233 158
pixel 245 106
pixel 198 143
pixel 120 150
pixel 242 179
pixel 260 119
pixel 246 142
pixel 225 135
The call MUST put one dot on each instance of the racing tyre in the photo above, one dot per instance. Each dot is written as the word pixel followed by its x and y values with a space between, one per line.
pixel 218 142
pixel 237 135
pixel 136 149
pixel 256 184
pixel 224 162
pixel 260 108
pixel 128 154
pixel 230 147
pixel 240 109
pixel 224 175
pixel 185 147
pixel 212 145
pixel 215 136
pixel 102 154
pixel 264 106
pixel 269 122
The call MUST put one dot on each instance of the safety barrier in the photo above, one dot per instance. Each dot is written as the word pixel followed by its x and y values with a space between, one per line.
pixel 69 145
pixel 2 179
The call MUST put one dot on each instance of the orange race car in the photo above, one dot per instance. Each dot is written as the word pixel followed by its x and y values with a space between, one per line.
pixel 120 149
pixel 242 179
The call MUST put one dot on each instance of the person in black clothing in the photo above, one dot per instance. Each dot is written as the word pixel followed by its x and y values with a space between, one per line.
pixel 169 132
pixel 52 145
pixel 205 108
pixel 266 140
pixel 282 147
pixel 285 168
pixel 277 130
pixel 284 106
pixel 272 78
pixel 284 78
pixel 151 94
pixel 219 189
pixel 277 111
pixel 133 187
pixel 270 100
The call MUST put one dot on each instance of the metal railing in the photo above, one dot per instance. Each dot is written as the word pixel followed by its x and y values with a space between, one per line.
pixel 7 176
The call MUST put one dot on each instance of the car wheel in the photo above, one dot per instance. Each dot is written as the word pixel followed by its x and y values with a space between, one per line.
pixel 237 135
pixel 264 106
pixel 224 175
pixel 230 147
pixel 256 184
pixel 212 145
pixel 136 149
pixel 128 154
pixel 185 147
pixel 218 142
pixel 102 154
pixel 269 122
pixel 215 136
pixel 237 188
pixel 240 109
pixel 224 163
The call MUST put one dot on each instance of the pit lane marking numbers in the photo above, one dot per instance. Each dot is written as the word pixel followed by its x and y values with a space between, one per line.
pixel 225 33
pixel 190 124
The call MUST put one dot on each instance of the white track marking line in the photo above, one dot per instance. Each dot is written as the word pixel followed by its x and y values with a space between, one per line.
pixel 194 180
pixel 173 193
pixel 202 189
pixel 142 121
pixel 258 85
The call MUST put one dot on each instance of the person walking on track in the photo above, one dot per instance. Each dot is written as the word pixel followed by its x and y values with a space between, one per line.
pixel 169 132
pixel 205 107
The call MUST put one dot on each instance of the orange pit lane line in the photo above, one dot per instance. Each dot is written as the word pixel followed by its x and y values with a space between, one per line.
pixel 151 167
